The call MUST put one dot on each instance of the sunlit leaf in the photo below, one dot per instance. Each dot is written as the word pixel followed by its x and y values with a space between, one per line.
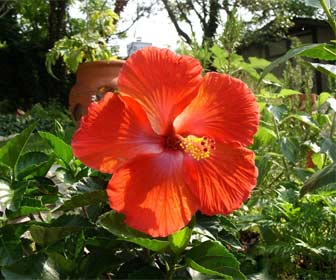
pixel 318 160
pixel 288 92
pixel 62 150
pixel 312 50
pixel 259 63
pixel 322 98
pixel 6 195
pixel 327 69
pixel 264 136
pixel 322 52
pixel 332 103
pixel 262 106
pixel 179 240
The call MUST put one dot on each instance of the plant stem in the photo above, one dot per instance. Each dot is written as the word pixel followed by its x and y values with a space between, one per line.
pixel 170 271
pixel 283 158
pixel 332 130
pixel 333 126
pixel 331 19
pixel 85 213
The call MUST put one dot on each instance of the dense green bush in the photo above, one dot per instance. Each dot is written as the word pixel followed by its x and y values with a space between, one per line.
pixel 46 117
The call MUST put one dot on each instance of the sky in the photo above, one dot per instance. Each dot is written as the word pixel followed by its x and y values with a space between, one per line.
pixel 157 29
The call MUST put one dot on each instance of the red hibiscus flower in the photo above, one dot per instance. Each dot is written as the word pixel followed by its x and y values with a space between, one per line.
pixel 174 141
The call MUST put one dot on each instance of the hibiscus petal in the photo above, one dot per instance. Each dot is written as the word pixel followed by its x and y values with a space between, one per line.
pixel 224 109
pixel 151 192
pixel 162 82
pixel 223 181
pixel 115 130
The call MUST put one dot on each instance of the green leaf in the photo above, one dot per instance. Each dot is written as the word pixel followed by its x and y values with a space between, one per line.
pixel 74 59
pixel 97 263
pixel 19 189
pixel 259 63
pixel 262 106
pixel 6 195
pixel 64 264
pixel 46 235
pixel 146 272
pixel 33 164
pixel 318 160
pixel 287 92
pixel 65 176
pixel 323 97
pixel 321 178
pixel 328 146
pixel 321 52
pixel 272 78
pixel 179 240
pixel 212 258
pixel 264 136
pixel 249 69
pixel 10 251
pixel 303 173
pixel 62 150
pixel 304 50
pixel 332 103
pixel 28 205
pixel 114 223
pixel 278 111
pixel 327 69
pixel 288 149
pixel 305 118
pixel 31 158
pixel 84 199
pixel 11 151
pixel 58 229
pixel 32 267
pixel 264 164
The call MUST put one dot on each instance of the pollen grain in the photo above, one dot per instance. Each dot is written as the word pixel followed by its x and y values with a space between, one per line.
pixel 198 147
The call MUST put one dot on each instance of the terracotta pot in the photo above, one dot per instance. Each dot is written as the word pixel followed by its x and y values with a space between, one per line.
pixel 93 80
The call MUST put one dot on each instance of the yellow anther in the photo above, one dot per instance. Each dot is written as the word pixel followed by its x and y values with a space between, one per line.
pixel 198 147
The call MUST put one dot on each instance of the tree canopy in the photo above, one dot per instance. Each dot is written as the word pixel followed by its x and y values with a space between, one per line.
pixel 212 14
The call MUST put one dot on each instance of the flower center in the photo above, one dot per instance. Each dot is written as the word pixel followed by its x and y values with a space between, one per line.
pixel 197 147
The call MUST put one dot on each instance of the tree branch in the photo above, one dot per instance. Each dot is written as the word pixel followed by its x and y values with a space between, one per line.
pixel 185 17
pixel 139 15
pixel 4 8
pixel 199 15
pixel 119 6
pixel 173 19
pixel 212 24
